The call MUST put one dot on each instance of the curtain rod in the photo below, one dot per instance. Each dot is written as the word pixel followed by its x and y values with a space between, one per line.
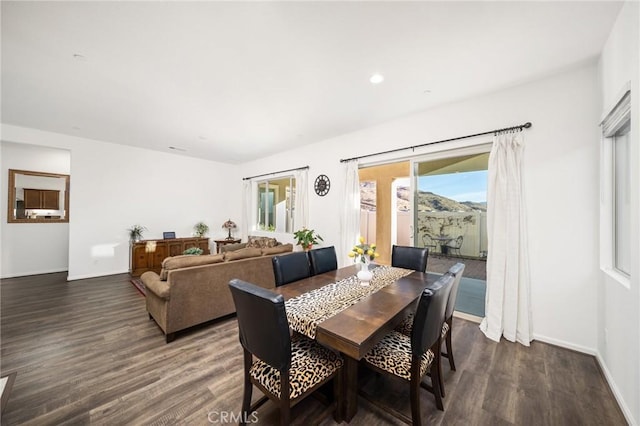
pixel 521 126
pixel 273 173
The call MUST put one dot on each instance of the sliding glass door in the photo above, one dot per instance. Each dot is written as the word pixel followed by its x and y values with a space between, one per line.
pixel 450 205
pixel 449 199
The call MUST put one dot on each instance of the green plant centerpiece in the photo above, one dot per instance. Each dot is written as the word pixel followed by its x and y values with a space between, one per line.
pixel 196 251
pixel 135 232
pixel 200 229
pixel 307 238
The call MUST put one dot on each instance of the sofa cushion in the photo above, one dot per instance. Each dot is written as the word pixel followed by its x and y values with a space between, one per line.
pixel 283 248
pixel 232 247
pixel 185 261
pixel 242 253
pixel 262 242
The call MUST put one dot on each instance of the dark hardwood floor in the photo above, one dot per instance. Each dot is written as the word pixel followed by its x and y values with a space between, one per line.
pixel 87 353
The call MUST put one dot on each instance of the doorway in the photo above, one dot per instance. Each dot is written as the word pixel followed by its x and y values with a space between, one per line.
pixel 450 218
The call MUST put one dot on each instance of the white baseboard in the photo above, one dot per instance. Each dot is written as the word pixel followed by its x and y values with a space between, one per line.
pixel 607 375
pixel 565 344
pixel 467 317
pixel 102 274
pixel 29 273
pixel 616 392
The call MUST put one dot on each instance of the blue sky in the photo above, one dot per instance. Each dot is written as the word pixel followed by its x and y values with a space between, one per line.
pixel 463 186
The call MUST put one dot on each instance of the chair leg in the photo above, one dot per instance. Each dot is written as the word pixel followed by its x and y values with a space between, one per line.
pixel 248 388
pixel 438 361
pixel 285 402
pixel 414 389
pixel 435 385
pixel 452 363
pixel 285 413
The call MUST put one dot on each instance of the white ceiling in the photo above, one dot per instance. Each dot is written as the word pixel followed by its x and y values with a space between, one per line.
pixel 232 82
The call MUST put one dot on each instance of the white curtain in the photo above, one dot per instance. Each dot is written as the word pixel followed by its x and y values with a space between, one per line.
pixel 247 208
pixel 350 221
pixel 507 303
pixel 301 209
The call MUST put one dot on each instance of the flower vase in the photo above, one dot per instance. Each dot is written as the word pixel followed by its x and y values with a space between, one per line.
pixel 364 275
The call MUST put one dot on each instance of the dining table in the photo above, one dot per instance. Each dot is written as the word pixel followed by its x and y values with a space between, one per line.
pixel 351 317
pixel 443 241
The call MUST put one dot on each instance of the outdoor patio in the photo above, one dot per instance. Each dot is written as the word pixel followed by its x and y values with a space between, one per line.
pixel 474 268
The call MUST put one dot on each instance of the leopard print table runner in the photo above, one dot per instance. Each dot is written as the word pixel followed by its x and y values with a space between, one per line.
pixel 308 310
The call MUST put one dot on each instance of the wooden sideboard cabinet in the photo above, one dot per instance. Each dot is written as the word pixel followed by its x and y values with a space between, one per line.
pixel 147 255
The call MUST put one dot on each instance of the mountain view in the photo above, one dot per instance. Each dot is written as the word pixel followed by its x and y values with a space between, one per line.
pixel 427 201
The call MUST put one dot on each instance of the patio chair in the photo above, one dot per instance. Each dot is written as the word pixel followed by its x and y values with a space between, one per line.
pixel 453 246
pixel 428 242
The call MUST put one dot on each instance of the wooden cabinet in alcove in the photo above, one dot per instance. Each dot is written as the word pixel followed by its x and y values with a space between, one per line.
pixel 41 199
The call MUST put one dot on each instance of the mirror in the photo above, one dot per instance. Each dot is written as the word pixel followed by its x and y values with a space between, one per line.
pixel 36 197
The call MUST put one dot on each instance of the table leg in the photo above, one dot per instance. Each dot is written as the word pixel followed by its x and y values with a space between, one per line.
pixel 350 388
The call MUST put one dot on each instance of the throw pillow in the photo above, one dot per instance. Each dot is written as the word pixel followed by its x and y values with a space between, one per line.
pixel 261 242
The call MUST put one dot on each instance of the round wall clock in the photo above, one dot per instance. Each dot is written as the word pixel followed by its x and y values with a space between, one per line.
pixel 322 185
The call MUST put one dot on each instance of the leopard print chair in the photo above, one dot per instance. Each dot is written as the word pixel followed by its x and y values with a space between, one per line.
pixel 405 327
pixel 409 358
pixel 286 368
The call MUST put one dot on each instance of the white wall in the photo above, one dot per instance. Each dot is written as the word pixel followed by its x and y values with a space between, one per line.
pixel 115 186
pixel 561 160
pixel 618 329
pixel 32 248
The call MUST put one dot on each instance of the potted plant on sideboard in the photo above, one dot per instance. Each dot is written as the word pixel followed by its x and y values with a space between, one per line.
pixel 135 232
pixel 307 238
pixel 200 229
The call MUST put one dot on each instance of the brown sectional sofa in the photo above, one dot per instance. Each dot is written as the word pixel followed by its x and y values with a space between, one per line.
pixel 191 290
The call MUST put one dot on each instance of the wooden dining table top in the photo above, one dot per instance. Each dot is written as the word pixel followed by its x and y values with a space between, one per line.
pixel 356 329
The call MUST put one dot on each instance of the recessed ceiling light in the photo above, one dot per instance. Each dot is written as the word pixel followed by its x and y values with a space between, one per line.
pixel 376 78
pixel 177 149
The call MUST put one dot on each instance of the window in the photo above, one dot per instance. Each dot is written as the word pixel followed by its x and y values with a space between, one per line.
pixel 621 200
pixel 276 201
pixel 615 128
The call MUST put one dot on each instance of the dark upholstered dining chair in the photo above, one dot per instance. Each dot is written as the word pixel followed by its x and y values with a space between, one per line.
pixel 410 357
pixel 405 328
pixel 410 257
pixel 290 267
pixel 286 368
pixel 323 260
pixel 456 270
